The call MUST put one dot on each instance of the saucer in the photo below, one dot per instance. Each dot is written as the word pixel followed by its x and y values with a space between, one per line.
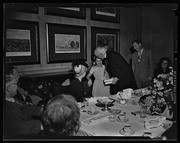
pixel 90 113
pixel 123 121
pixel 115 111
pixel 127 133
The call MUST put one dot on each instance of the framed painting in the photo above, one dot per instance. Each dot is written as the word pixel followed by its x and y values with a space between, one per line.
pixel 65 42
pixel 21 42
pixel 107 14
pixel 105 37
pixel 75 12
pixel 22 7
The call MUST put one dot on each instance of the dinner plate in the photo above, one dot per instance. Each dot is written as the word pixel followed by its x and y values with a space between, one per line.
pixel 115 111
pixel 127 133
pixel 90 113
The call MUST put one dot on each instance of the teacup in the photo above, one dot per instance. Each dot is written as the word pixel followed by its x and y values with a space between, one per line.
pixel 142 114
pixel 122 116
pixel 112 118
pixel 92 110
pixel 147 134
pixel 127 129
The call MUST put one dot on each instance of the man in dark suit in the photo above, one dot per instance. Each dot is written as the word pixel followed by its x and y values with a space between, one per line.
pixel 117 67
pixel 18 119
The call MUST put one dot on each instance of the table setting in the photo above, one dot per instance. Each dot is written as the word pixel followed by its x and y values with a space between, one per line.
pixel 121 115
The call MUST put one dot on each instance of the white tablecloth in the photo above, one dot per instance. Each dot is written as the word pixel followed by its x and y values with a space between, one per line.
pixel 108 128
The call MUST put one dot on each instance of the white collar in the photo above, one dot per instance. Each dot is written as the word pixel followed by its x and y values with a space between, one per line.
pixel 140 52
pixel 10 99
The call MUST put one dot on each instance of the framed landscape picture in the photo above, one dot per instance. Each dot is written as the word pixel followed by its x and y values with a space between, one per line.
pixel 65 42
pixel 107 14
pixel 75 12
pixel 21 42
pixel 105 37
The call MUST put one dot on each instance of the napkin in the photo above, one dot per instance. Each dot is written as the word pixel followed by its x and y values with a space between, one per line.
pixel 154 121
pixel 108 81
pixel 96 119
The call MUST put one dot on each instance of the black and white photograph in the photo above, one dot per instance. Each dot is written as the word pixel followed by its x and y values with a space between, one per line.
pixel 90 72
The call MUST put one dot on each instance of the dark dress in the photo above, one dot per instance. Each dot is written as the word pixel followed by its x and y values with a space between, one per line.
pixel 160 71
pixel 117 66
pixel 18 120
pixel 80 90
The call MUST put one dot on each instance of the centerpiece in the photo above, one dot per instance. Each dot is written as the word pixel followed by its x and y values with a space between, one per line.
pixel 161 98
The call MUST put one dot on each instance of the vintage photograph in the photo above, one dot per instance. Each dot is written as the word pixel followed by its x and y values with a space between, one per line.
pixel 70 8
pixel 21 42
pixel 108 11
pixel 90 72
pixel 65 43
pixel 106 39
pixel 108 14
pixel 73 12
pixel 18 42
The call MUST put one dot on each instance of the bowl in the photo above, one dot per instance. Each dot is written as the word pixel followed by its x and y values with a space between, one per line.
pixel 105 101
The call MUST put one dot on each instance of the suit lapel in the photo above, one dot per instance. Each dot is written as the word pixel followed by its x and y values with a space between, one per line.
pixel 143 55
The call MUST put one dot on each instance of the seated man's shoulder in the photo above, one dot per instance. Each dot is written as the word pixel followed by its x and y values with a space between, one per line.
pixel 82 133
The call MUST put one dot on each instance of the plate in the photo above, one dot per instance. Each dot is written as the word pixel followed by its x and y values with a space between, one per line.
pixel 122 132
pixel 90 113
pixel 115 111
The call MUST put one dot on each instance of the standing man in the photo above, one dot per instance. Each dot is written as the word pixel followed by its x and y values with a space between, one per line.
pixel 142 64
pixel 118 69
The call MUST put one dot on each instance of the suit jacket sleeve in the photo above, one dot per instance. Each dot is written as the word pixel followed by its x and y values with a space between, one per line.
pixel 133 62
pixel 151 65
pixel 19 121
pixel 28 127
pixel 118 66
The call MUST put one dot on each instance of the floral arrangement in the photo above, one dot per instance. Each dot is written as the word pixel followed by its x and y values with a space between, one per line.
pixel 160 95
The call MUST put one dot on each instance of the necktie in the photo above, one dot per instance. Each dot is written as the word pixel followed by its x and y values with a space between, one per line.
pixel 139 58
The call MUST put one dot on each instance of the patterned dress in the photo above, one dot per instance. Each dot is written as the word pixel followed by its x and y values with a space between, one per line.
pixel 99 89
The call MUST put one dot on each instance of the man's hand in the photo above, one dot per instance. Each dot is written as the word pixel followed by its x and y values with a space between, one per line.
pixel 115 79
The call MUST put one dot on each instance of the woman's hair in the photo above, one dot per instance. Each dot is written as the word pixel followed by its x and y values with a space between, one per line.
pixel 164 59
pixel 77 67
pixel 61 116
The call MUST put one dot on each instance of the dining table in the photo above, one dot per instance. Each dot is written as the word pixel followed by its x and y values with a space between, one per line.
pixel 107 123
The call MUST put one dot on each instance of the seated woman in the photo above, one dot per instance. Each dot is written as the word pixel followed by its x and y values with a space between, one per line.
pixel 79 87
pixel 61 117
pixel 163 67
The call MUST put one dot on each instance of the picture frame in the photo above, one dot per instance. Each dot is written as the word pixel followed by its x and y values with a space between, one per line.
pixel 21 42
pixel 22 7
pixel 65 43
pixel 74 12
pixel 104 36
pixel 106 14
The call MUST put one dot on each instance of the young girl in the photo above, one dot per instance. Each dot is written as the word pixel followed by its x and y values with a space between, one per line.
pixel 100 74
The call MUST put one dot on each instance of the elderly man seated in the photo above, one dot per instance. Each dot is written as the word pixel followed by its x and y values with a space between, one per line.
pixel 18 119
